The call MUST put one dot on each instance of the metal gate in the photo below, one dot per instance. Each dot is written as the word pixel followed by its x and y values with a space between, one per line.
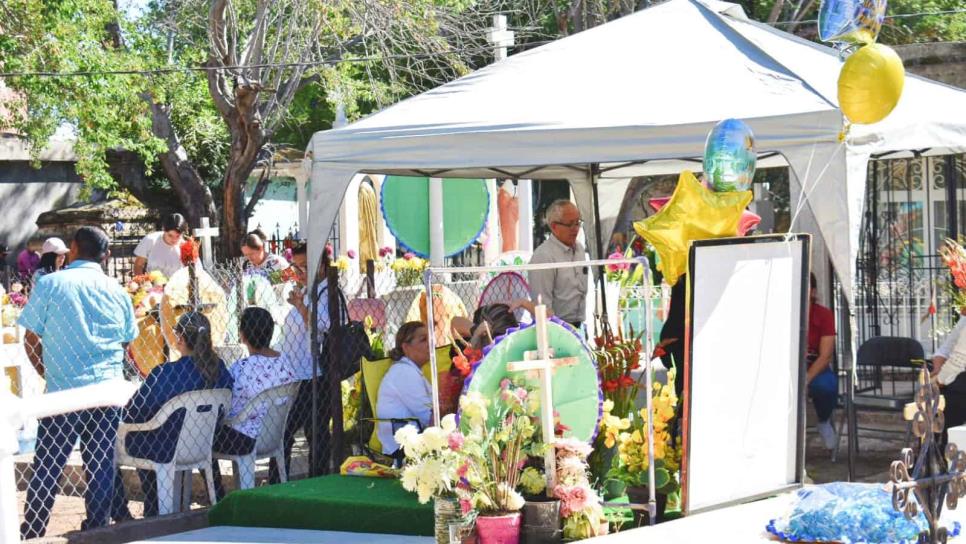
pixel 911 206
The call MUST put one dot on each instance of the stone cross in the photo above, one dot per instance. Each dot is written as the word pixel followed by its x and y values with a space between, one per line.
pixel 542 362
pixel 206 233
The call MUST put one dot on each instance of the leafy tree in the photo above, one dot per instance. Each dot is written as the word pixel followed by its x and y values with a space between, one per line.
pixel 194 92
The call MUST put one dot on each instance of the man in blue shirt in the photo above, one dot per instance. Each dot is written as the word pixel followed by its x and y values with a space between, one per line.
pixel 78 321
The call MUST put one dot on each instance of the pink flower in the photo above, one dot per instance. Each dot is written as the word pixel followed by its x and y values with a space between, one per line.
pixel 385 251
pixel 351 253
pixel 522 394
pixel 465 506
pixel 573 498
pixel 615 256
pixel 464 468
pixel 328 250
pixel 456 443
pixel 408 255
pixel 505 383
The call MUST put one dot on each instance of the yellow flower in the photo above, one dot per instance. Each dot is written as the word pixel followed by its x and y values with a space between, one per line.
pixel 608 406
pixel 612 426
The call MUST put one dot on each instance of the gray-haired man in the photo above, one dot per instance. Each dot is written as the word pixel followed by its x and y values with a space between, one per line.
pixel 563 290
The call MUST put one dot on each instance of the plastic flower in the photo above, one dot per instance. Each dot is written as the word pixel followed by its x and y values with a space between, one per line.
pixel 532 481
pixel 512 501
pixel 572 446
pixel 448 423
pixel 189 251
pixel 473 406
pixel 456 441
pixel 406 437
pixel 617 267
pixel 351 253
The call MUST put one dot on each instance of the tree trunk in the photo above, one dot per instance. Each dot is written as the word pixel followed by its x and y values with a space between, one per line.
pixel 247 140
pixel 195 196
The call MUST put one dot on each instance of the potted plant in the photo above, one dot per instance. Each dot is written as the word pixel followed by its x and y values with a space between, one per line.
pixel 580 507
pixel 617 359
pixel 630 465
pixel 435 461
pixel 495 452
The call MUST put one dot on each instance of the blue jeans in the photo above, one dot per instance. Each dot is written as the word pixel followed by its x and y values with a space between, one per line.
pixel 824 390
pixel 56 436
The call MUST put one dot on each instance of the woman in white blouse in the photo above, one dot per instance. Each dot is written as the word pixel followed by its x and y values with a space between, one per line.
pixel 405 393
pixel 264 368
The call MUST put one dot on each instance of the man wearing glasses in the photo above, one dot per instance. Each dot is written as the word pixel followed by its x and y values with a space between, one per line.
pixel 563 290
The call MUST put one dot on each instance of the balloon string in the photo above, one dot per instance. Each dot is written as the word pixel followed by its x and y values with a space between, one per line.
pixel 803 195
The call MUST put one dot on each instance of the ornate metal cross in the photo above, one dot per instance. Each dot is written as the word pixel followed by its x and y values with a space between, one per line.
pixel 935 478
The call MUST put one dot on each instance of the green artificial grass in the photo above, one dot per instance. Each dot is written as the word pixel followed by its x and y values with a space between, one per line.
pixel 329 503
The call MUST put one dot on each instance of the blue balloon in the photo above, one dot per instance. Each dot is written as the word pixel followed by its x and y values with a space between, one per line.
pixel 729 156
pixel 850 21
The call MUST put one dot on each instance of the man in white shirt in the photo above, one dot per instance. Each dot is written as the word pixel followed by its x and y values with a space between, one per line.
pixel 295 344
pixel 563 290
pixel 161 250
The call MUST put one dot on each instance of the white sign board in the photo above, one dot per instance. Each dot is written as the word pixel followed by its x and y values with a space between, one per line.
pixel 744 373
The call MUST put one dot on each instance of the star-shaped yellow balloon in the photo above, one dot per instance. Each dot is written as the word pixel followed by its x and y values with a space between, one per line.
pixel 693 213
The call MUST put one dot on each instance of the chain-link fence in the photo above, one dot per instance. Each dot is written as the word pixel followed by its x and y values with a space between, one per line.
pixel 230 394
pixel 225 372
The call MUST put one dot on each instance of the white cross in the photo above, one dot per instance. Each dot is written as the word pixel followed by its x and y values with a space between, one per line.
pixel 206 233
pixel 499 37
pixel 543 363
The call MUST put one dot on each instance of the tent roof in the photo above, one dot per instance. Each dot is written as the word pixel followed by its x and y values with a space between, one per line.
pixel 606 95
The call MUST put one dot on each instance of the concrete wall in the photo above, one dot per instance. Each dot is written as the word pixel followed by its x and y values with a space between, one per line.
pixel 945 62
pixel 26 192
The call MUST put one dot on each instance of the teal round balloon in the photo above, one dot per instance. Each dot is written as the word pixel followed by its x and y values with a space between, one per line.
pixel 729 156
pixel 576 393
pixel 405 207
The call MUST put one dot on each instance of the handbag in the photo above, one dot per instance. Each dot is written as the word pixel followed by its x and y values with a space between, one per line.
pixel 351 343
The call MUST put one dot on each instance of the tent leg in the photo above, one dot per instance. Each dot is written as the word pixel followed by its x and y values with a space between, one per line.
pixel 594 174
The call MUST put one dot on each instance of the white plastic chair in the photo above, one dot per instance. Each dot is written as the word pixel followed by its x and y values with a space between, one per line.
pixel 193 451
pixel 270 441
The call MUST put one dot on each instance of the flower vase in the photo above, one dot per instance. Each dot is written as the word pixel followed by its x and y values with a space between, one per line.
pixel 446 511
pixel 640 495
pixel 541 522
pixel 500 529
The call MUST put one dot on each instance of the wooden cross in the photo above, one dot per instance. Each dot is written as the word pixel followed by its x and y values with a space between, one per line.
pixel 499 36
pixel 206 233
pixel 542 362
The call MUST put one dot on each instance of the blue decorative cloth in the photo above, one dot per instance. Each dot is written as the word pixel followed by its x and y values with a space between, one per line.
pixel 850 513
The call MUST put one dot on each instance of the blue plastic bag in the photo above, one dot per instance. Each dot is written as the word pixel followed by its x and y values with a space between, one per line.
pixel 850 513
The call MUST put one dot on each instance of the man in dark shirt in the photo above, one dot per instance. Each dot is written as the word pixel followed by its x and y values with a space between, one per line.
pixel 822 382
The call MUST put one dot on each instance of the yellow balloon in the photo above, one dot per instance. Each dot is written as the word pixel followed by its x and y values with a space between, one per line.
pixel 693 213
pixel 870 84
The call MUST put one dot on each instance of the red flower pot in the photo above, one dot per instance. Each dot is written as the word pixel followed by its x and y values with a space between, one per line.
pixel 504 529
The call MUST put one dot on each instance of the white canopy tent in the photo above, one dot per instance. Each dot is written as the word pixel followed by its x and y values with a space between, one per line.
pixel 634 97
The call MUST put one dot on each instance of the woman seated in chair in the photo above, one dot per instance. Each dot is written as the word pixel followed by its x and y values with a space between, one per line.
pixel 199 368
pixel 264 368
pixel 404 392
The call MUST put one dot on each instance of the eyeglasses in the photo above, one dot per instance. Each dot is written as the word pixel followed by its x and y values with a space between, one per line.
pixel 575 224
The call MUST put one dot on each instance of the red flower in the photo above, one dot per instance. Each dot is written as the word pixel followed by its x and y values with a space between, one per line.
pixel 462 364
pixel 610 385
pixel 189 251
pixel 660 351
pixel 626 381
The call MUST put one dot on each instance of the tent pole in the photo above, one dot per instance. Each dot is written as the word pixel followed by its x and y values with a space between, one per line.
pixel 594 173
